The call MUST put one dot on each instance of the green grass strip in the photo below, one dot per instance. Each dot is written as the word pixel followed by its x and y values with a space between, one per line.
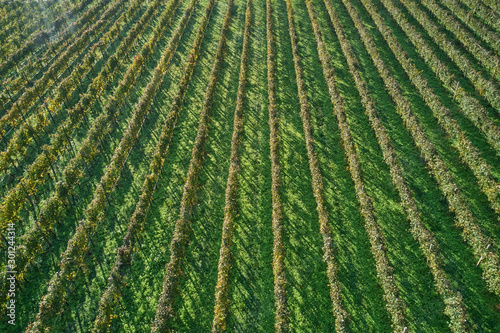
pixel 395 306
pixel 224 267
pixel 281 319
pixel 113 293
pixel 428 243
pixel 472 233
pixel 165 308
pixel 317 180
pixel 469 105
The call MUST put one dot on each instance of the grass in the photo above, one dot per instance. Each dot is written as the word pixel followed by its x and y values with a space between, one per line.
pixel 405 256
pixel 124 201
pixel 463 175
pixel 435 214
pixel 308 292
pixel 197 287
pixel 251 286
pixel 251 289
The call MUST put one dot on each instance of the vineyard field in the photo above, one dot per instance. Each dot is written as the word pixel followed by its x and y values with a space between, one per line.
pixel 249 166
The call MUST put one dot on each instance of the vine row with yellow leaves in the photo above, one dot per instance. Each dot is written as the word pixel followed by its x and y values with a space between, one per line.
pixel 394 305
pixel 165 309
pixel 454 307
pixel 72 259
pixel 281 313
pixel 16 197
pixel 489 16
pixel 39 120
pixel 225 258
pixel 488 59
pixel 317 181
pixel 55 206
pixel 470 106
pixel 16 114
pixel 484 87
pixel 114 290
pixel 469 154
pixel 480 29
pixel 472 233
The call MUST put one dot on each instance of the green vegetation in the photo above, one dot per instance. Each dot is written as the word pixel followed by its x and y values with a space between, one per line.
pixel 249 166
